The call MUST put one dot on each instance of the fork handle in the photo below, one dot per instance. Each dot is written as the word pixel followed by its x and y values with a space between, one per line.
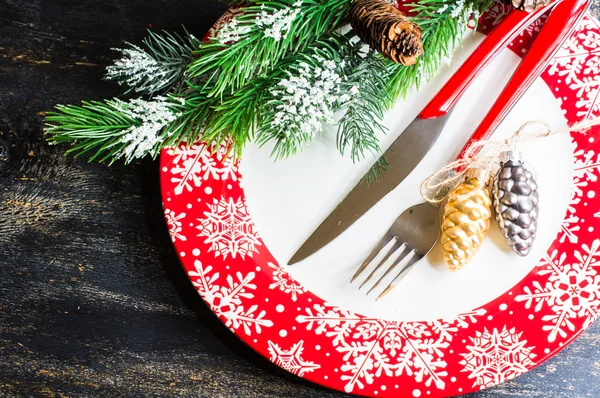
pixel 558 27
pixel 499 37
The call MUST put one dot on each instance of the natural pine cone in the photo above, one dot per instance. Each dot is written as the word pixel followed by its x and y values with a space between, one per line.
pixel 527 5
pixel 387 30
pixel 515 197
pixel 465 223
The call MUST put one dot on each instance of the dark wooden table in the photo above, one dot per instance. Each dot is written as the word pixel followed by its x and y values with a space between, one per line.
pixel 93 301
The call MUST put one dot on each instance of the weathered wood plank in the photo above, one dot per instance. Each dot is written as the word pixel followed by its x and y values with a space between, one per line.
pixel 93 300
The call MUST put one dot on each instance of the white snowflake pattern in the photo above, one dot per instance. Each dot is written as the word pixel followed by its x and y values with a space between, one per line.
pixel 578 63
pixel 569 229
pixel 498 11
pixel 226 300
pixel 196 163
pixel 291 360
pixel 586 171
pixel 497 356
pixel 174 224
pixel 587 165
pixel 285 283
pixel 372 347
pixel 572 291
pixel 228 228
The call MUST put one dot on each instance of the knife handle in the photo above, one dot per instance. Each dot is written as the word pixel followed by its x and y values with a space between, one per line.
pixel 499 37
pixel 558 27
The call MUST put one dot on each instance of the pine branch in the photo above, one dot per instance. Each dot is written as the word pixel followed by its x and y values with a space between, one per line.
pixel 306 96
pixel 235 119
pixel 361 123
pixel 443 24
pixel 158 67
pixel 253 43
pixel 279 78
pixel 195 112
pixel 112 129
pixel 288 106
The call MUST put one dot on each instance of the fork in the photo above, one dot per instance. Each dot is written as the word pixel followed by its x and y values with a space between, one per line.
pixel 413 234
pixel 416 231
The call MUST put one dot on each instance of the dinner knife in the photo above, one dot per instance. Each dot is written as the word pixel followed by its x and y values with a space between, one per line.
pixel 416 140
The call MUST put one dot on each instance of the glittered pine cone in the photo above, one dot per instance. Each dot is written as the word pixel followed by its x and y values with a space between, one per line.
pixel 515 198
pixel 527 5
pixel 387 30
pixel 465 222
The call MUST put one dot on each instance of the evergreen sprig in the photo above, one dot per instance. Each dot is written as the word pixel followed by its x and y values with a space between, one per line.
pixel 112 129
pixel 246 47
pixel 194 114
pixel 379 167
pixel 274 75
pixel 443 23
pixel 303 95
pixel 253 110
pixel 158 67
pixel 361 123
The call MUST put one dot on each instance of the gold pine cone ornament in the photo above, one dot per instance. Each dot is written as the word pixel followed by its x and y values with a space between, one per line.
pixel 465 222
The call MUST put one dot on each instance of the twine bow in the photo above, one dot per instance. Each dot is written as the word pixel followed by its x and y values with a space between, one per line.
pixel 481 158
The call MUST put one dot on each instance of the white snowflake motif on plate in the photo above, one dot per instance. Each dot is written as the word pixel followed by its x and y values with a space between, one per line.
pixel 578 62
pixel 372 347
pixel 498 11
pixel 174 224
pixel 572 291
pixel 497 356
pixel 196 163
pixel 291 360
pixel 227 300
pixel 228 228
pixel 284 281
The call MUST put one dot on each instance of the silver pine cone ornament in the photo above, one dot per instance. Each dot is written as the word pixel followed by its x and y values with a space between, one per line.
pixel 515 198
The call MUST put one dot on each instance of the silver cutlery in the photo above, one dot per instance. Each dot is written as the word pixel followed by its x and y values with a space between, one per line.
pixel 416 231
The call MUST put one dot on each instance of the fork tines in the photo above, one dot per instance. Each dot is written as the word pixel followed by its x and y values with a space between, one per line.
pixel 387 248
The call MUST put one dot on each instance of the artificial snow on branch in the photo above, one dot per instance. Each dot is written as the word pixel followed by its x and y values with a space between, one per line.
pixel 273 75
pixel 114 128
pixel 254 42
pixel 156 68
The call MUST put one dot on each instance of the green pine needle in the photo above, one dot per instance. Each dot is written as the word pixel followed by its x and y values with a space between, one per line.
pixel 359 126
pixel 234 93
pixel 443 24
pixel 112 129
pixel 195 113
pixel 92 126
pixel 229 66
pixel 158 67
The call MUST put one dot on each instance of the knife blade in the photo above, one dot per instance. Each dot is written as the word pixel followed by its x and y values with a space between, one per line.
pixel 419 136
pixel 416 140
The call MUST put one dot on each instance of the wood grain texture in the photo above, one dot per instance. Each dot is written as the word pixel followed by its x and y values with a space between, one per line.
pixel 93 301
